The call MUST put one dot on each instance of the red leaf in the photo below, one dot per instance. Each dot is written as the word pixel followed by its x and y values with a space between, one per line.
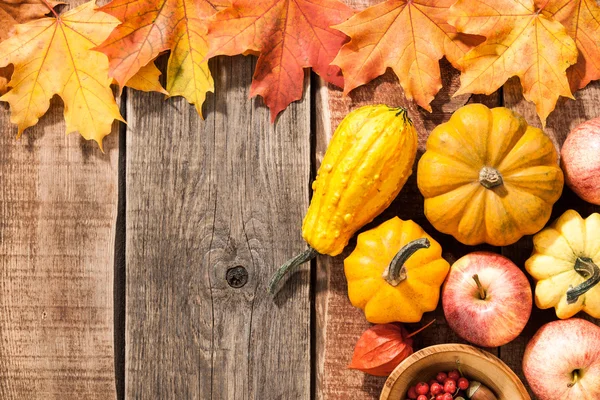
pixel 289 35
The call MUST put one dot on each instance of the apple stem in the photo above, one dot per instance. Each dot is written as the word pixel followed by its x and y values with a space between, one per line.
pixel 396 271
pixel 482 293
pixel 585 267
pixel 575 378
pixel 421 329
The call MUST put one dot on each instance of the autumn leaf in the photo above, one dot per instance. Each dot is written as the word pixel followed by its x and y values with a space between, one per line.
pixel 151 27
pixel 520 41
pixel 408 36
pixel 13 12
pixel 582 20
pixel 146 79
pixel 288 35
pixel 382 347
pixel 52 56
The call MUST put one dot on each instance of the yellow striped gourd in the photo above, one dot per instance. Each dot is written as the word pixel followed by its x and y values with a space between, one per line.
pixel 367 163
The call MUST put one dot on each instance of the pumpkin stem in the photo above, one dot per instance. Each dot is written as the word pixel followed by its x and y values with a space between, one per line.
pixel 482 293
pixel 301 258
pixel 585 267
pixel 490 177
pixel 396 271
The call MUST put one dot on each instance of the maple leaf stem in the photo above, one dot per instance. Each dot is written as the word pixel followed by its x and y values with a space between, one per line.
pixel 50 7
pixel 539 10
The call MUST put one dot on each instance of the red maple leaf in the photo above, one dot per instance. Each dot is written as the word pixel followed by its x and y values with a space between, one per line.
pixel 289 35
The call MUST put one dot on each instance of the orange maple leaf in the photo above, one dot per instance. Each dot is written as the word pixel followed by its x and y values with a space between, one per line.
pixel 53 56
pixel 582 20
pixel 151 27
pixel 408 36
pixel 520 41
pixel 289 35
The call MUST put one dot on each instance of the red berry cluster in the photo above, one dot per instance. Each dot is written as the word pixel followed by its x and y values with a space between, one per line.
pixel 445 386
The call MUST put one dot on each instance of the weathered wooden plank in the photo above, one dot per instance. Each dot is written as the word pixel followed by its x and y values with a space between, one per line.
pixel 58 205
pixel 203 198
pixel 338 324
pixel 567 115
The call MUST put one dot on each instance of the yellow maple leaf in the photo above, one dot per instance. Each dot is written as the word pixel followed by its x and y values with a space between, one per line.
pixel 52 56
pixel 520 41
pixel 18 12
pixel 146 79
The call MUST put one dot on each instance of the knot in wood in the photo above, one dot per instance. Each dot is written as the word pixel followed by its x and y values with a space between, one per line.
pixel 237 276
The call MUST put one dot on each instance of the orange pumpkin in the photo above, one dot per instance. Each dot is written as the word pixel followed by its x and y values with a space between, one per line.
pixel 489 177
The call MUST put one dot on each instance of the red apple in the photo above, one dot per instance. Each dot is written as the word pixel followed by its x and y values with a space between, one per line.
pixel 562 361
pixel 493 311
pixel 580 160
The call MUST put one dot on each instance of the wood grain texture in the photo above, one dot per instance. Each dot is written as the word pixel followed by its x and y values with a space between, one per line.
pixel 566 116
pixel 58 205
pixel 204 197
pixel 337 324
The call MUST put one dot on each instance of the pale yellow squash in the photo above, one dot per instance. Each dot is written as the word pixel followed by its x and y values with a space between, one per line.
pixel 564 264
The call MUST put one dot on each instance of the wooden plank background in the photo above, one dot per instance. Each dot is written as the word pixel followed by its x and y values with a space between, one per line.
pixel 58 205
pixel 203 198
pixel 186 219
pixel 58 210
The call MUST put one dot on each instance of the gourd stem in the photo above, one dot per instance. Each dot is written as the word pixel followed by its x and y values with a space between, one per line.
pixel 585 267
pixel 482 293
pixel 301 258
pixel 396 271
pixel 490 177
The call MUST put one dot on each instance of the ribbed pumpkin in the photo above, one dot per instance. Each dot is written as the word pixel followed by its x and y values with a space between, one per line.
pixel 395 272
pixel 367 163
pixel 488 177
pixel 565 262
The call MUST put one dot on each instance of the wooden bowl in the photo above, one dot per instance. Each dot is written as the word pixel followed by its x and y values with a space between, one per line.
pixel 476 364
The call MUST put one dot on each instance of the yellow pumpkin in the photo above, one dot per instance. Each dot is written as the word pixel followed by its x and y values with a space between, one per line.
pixel 395 272
pixel 488 177
pixel 367 163
pixel 564 264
